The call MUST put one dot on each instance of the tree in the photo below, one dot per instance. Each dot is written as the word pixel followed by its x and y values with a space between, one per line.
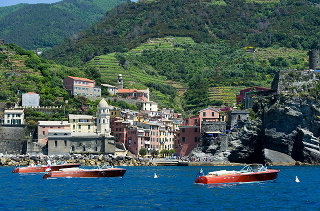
pixel 154 153
pixel 143 152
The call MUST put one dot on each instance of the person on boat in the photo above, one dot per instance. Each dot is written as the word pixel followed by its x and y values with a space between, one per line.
pixel 48 167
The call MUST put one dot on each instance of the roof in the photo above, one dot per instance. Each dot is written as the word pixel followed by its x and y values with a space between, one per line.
pixel 103 103
pixel 210 109
pixel 128 90
pixel 13 111
pixel 83 79
pixel 108 85
pixel 77 116
pixel 31 93
pixel 53 123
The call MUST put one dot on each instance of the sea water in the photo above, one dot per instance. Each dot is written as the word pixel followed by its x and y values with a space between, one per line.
pixel 174 189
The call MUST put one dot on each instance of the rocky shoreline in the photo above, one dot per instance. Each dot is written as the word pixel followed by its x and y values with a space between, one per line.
pixel 110 160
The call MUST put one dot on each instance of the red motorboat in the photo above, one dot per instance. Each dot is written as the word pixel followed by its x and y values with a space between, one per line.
pixel 44 168
pixel 248 174
pixel 79 172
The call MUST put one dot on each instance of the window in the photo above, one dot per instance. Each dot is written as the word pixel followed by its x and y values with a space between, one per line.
pixel 65 143
pixel 204 114
pixel 183 139
pixel 195 139
pixel 196 130
pixel 212 113
pixel 187 121
pixel 83 148
pixel 79 126
pixel 43 133
pixel 183 130
pixel 55 143
pixel 88 127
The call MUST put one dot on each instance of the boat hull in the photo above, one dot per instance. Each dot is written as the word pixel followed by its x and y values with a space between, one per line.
pixel 239 177
pixel 83 173
pixel 42 169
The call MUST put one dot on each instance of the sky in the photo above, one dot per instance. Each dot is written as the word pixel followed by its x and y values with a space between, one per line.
pixel 4 3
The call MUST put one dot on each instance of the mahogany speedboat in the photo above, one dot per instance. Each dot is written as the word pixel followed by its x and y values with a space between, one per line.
pixel 79 172
pixel 249 173
pixel 44 168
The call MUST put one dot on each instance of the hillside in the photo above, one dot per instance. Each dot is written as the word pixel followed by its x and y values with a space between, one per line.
pixel 292 24
pixel 41 26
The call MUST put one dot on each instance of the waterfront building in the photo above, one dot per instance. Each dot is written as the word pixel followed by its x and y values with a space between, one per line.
pixel 45 126
pixel 82 123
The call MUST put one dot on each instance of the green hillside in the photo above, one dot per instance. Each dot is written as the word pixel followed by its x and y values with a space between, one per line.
pixel 41 26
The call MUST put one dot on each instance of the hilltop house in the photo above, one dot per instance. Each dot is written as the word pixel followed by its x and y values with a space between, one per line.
pixel 30 99
pixel 81 86
pixel 13 117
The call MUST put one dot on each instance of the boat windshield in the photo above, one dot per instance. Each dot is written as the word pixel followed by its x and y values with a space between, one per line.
pixel 253 168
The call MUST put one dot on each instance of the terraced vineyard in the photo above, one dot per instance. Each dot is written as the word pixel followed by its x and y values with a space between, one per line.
pixel 226 94
pixel 134 77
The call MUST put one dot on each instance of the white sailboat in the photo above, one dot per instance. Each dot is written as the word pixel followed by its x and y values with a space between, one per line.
pixel 155 175
pixel 297 179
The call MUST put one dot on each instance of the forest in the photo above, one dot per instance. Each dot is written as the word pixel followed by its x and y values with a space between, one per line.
pixel 42 26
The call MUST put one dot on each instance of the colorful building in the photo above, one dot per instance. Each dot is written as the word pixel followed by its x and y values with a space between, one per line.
pixel 81 86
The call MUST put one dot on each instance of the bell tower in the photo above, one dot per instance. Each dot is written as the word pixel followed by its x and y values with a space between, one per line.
pixel 120 82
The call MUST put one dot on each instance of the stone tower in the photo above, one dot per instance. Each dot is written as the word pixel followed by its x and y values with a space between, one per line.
pixel 314 60
pixel 103 118
pixel 120 82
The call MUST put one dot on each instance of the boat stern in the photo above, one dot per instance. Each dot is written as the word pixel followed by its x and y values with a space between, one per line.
pixel 47 175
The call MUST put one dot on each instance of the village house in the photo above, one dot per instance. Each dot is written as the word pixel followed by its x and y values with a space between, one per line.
pixel 81 86
pixel 13 117
pixel 243 99
pixel 45 126
pixel 190 130
pixel 82 123
pixel 30 99
pixel 142 95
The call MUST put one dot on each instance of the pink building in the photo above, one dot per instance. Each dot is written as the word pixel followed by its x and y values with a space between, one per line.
pixel 142 95
pixel 190 129
pixel 45 126
pixel 241 97
pixel 189 138
pixel 209 114
pixel 81 86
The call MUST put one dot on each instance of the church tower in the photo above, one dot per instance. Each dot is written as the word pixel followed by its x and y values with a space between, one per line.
pixel 120 82
pixel 103 118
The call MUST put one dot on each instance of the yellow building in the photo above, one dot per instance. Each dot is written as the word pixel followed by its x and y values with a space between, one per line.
pixel 82 123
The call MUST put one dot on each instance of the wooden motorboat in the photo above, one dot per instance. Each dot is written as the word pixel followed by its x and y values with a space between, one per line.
pixel 44 168
pixel 80 172
pixel 248 174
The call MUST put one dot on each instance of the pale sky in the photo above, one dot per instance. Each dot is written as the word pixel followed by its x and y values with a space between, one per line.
pixel 4 3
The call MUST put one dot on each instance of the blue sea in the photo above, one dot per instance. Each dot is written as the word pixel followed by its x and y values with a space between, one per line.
pixel 173 190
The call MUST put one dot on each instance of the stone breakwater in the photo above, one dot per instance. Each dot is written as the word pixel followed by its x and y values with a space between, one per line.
pixel 84 160
pixel 110 160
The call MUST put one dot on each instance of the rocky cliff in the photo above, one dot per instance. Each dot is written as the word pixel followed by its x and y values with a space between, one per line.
pixel 285 127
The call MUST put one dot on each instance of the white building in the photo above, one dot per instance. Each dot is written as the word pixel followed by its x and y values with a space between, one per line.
pixel 30 99
pixel 13 117
pixel 147 106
